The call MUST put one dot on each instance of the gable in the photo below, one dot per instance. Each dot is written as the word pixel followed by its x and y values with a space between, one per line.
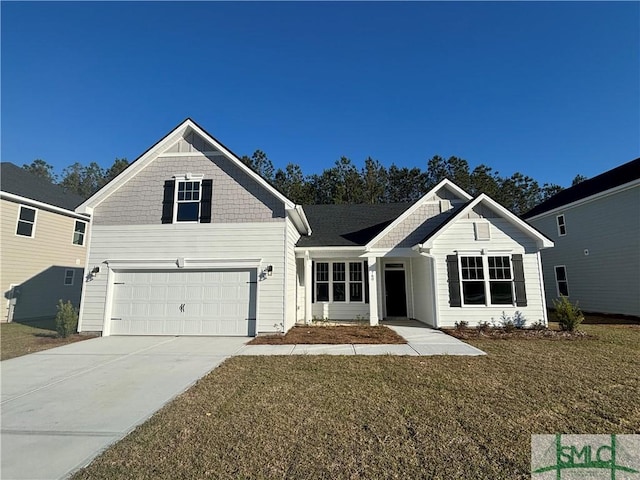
pixel 236 197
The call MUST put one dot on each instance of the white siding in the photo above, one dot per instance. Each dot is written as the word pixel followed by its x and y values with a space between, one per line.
pixel 608 278
pixel 423 290
pixel 264 241
pixel 505 238
pixel 290 307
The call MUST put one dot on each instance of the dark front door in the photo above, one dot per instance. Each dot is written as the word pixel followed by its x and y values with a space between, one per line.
pixel 396 293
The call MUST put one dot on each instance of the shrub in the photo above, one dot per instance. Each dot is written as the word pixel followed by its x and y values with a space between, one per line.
pixel 518 319
pixel 507 323
pixel 461 325
pixel 66 319
pixel 568 315
pixel 539 325
pixel 483 326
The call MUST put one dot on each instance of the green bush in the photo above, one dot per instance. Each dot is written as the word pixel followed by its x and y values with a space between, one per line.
pixel 66 319
pixel 568 315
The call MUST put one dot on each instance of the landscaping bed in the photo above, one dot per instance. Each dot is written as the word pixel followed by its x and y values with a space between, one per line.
pixel 18 339
pixel 520 333
pixel 334 335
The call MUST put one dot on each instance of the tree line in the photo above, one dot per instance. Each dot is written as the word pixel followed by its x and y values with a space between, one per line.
pixel 344 182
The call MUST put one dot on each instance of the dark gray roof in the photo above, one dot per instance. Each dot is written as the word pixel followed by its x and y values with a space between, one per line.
pixel 348 225
pixel 610 179
pixel 18 181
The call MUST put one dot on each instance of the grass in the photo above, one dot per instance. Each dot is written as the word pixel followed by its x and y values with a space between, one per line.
pixel 322 417
pixel 17 339
pixel 335 335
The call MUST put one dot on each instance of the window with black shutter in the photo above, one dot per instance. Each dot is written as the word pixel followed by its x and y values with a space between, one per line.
pixel 187 199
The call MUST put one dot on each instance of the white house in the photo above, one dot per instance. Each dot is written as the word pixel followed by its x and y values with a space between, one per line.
pixel 596 229
pixel 189 241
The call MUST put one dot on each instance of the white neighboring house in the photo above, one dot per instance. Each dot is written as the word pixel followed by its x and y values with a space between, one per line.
pixel 190 241
pixel 596 229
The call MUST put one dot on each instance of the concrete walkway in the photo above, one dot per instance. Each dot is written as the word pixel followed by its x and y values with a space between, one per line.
pixel 421 340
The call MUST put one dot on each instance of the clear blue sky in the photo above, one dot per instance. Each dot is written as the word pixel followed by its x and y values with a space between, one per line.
pixel 548 89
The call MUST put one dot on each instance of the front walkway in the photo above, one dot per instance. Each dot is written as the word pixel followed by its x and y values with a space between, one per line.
pixel 421 340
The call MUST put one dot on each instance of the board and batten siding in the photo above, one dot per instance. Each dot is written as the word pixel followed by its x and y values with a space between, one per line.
pixel 236 198
pixel 505 239
pixel 291 281
pixel 232 241
pixel 38 263
pixel 605 278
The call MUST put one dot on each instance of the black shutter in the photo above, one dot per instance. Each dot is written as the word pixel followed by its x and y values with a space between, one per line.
pixel 205 202
pixel 454 281
pixel 518 280
pixel 366 282
pixel 167 201
pixel 313 282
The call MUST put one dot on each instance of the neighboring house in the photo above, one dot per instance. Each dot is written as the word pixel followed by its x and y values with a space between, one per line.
pixel 596 229
pixel 190 241
pixel 44 245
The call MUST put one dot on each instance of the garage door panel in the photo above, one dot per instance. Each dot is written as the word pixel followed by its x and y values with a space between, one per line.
pixel 218 302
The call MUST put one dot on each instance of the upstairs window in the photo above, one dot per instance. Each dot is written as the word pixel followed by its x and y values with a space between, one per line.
pixel 562 226
pixel 26 222
pixel 188 201
pixel 187 198
pixel 79 232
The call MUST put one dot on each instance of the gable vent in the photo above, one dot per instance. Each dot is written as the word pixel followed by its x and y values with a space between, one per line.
pixel 483 232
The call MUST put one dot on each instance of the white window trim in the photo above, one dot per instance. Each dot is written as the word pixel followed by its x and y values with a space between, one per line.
pixel 73 277
pixel 187 177
pixel 347 282
pixel 563 225
pixel 84 235
pixel 487 281
pixel 35 221
pixel 566 280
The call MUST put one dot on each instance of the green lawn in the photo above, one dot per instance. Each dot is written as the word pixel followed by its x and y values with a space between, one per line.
pixel 325 417
pixel 17 339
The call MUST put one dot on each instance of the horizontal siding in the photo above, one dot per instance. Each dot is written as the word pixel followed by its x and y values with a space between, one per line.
pixel 291 280
pixel 196 241
pixel 340 311
pixel 39 262
pixel 504 236
pixel 608 279
pixel 422 290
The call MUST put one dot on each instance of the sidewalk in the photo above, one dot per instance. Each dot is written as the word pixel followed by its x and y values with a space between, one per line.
pixel 421 340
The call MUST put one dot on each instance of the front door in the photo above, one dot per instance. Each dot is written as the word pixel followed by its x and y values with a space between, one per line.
pixel 396 293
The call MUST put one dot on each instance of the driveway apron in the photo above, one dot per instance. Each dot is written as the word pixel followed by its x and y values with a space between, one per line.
pixel 61 407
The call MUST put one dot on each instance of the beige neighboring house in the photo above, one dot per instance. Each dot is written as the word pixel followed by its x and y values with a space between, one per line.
pixel 43 246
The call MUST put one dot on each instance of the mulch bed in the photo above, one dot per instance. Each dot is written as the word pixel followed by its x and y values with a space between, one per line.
pixel 334 335
pixel 518 333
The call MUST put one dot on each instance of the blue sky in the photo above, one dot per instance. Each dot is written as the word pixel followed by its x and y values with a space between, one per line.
pixel 549 89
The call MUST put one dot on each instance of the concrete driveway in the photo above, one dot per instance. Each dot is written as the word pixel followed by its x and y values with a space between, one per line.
pixel 60 407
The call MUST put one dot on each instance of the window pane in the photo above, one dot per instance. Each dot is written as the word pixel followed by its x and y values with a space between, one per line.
pixel 80 227
pixel 78 238
pixel 25 229
pixel 355 292
pixel 338 272
pixel 355 272
pixel 472 268
pixel 339 294
pixel 322 292
pixel 473 293
pixel 27 214
pixel 501 293
pixel 188 212
pixel 180 196
pixel 322 272
pixel 561 274
pixel 563 288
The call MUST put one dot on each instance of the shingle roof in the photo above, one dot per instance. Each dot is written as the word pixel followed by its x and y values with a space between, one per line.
pixel 348 225
pixel 20 182
pixel 613 178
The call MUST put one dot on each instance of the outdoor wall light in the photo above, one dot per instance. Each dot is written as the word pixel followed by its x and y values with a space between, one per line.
pixel 95 270
pixel 270 270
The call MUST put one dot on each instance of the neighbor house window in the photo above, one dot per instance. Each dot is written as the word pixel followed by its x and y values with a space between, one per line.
pixel 322 282
pixel 562 226
pixel 493 277
pixel 26 222
pixel 188 201
pixel 340 282
pixel 562 283
pixel 69 276
pixel 79 232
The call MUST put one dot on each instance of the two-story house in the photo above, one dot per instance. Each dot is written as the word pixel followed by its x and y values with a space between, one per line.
pixel 44 245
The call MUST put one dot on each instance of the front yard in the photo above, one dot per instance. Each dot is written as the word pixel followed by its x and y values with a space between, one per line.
pixel 18 339
pixel 388 417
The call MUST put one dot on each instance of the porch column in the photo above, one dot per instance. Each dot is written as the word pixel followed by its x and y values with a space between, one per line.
pixel 373 291
pixel 307 287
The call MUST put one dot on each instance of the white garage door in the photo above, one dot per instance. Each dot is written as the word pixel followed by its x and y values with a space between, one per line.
pixel 218 302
